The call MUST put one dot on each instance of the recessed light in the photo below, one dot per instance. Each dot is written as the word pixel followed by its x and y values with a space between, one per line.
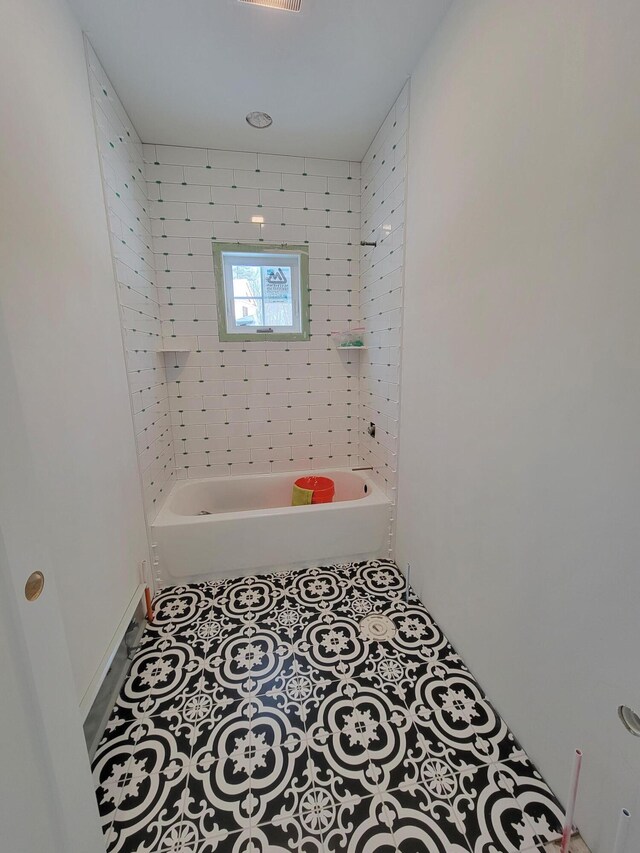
pixel 259 120
pixel 285 5
pixel 259 220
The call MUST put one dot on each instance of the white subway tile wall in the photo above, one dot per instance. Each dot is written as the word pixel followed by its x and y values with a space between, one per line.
pixel 240 408
pixel 381 293
pixel 127 209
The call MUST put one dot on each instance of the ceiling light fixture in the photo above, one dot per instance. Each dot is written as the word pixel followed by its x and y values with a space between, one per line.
pixel 285 5
pixel 259 120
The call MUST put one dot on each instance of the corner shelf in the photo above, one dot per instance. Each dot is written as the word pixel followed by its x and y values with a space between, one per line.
pixel 339 348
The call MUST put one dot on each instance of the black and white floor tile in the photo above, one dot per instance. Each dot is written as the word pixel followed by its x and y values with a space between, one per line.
pixel 319 711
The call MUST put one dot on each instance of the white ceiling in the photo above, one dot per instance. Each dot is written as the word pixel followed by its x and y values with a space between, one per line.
pixel 188 71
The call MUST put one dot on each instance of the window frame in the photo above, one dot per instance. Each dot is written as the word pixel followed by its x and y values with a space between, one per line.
pixel 225 296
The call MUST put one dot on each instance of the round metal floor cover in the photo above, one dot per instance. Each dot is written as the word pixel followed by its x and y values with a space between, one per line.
pixel 375 626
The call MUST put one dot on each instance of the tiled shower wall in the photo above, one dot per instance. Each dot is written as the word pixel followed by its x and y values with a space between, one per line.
pixel 127 209
pixel 250 408
pixel 381 286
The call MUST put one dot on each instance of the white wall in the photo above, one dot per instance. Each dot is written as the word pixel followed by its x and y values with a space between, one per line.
pixel 59 303
pixel 241 408
pixel 520 452
pixel 125 192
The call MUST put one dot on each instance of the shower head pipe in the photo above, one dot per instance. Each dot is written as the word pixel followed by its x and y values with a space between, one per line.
pixel 571 801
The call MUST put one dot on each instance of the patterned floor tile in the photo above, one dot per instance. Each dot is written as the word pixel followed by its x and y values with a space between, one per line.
pixel 298 690
pixel 263 715
pixel 488 812
pixel 334 646
pixel 252 597
pixel 354 825
pixel 320 589
pixel 422 818
pixel 206 635
pixel 390 671
pixel 150 805
pixel 289 621
pixel 217 734
pixel 466 735
pixel 160 674
pixel 110 769
pixel 286 835
pixel 343 767
pixel 178 606
pixel 219 793
pixel 536 799
pixel 353 708
pixel 400 756
pixel 247 664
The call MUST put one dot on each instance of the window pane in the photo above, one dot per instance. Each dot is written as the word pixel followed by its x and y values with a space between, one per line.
pixel 276 288
pixel 278 313
pixel 246 280
pixel 248 312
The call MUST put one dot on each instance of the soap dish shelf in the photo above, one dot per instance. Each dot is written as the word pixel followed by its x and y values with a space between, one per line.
pixel 351 348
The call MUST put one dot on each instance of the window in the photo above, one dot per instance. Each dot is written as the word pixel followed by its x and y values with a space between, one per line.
pixel 263 292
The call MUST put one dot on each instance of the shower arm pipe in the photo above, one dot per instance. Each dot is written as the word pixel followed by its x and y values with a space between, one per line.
pixel 571 801
pixel 622 831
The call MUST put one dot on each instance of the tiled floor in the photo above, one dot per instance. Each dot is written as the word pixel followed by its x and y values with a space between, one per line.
pixel 311 711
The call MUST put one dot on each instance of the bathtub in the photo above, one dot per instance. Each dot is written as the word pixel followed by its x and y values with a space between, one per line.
pixel 231 525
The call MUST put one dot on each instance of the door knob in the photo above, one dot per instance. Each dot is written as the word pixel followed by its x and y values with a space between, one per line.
pixel 34 586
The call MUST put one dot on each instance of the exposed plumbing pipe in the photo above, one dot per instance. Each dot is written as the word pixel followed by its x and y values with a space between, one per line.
pixel 571 801
pixel 147 599
pixel 622 831
pixel 147 592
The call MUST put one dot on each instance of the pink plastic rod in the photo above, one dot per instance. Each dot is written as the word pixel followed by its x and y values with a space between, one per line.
pixel 571 801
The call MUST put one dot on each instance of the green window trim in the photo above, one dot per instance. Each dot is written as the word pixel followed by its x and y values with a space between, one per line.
pixel 224 334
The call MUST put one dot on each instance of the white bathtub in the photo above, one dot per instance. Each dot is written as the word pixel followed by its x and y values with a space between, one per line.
pixel 250 525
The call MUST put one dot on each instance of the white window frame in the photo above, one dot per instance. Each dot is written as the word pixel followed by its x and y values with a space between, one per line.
pixel 226 256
